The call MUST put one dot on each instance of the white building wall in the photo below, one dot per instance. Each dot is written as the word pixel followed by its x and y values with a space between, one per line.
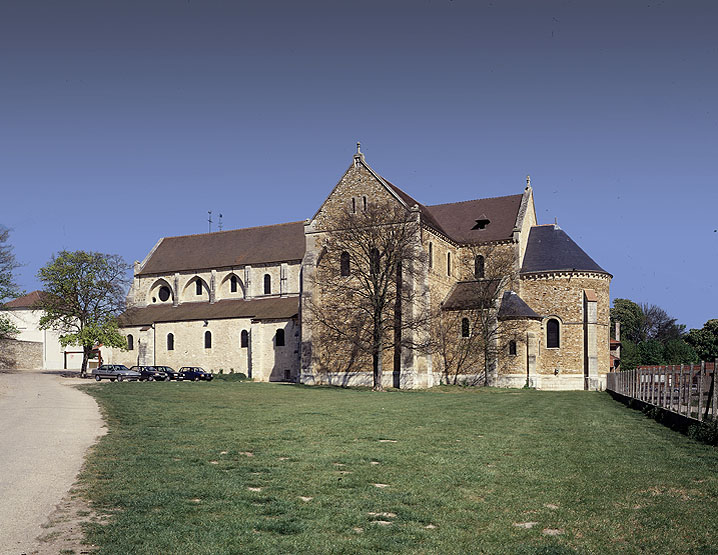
pixel 54 355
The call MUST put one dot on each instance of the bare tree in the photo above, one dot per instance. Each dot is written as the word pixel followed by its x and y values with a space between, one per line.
pixel 365 278
pixel 467 333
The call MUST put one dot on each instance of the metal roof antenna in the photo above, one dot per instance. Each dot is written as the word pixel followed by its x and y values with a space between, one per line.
pixel 209 220
pixel 220 222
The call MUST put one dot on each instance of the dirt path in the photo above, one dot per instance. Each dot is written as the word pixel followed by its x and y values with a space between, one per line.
pixel 46 425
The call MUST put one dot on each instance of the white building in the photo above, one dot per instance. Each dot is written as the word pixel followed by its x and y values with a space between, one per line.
pixel 54 357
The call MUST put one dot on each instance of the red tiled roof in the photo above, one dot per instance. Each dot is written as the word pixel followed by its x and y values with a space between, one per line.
pixel 26 301
pixel 237 247
pixel 259 309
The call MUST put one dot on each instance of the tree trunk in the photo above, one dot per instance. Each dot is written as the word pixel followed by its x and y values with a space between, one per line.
pixel 86 351
pixel 376 363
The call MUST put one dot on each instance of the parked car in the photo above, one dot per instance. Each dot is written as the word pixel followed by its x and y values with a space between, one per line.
pixel 150 373
pixel 171 373
pixel 196 373
pixel 113 372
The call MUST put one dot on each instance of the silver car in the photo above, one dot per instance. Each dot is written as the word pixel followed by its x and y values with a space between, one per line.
pixel 113 372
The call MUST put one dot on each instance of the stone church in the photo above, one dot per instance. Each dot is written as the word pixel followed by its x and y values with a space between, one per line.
pixel 236 300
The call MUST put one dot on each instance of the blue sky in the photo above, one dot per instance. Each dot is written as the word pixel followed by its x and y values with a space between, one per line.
pixel 122 122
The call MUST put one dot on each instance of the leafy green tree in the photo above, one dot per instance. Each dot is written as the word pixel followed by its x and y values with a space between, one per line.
pixel 705 340
pixel 677 351
pixel 651 352
pixel 631 317
pixel 630 357
pixel 85 292
pixel 8 287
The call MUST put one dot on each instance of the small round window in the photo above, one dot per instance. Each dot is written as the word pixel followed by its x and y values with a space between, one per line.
pixel 164 293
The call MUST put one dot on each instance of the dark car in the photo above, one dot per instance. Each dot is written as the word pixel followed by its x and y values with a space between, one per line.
pixel 150 373
pixel 113 372
pixel 171 373
pixel 195 373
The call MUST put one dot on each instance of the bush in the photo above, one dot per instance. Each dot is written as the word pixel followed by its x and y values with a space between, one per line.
pixel 705 432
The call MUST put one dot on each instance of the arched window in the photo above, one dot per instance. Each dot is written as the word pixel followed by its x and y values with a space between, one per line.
pixel 233 284
pixel 170 341
pixel 479 266
pixel 208 339
pixel 553 340
pixel 465 331
pixel 198 287
pixel 244 339
pixel 164 293
pixel 448 263
pixel 280 338
pixel 363 199
pixel 130 343
pixel 431 255
pixel 374 261
pixel 345 263
pixel 512 347
pixel 267 284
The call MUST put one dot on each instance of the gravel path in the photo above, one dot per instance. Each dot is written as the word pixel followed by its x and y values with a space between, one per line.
pixel 46 425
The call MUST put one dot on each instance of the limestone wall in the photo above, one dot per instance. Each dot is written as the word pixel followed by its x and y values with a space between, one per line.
pixel 20 354
pixel 562 296
pixel 250 284
pixel 262 359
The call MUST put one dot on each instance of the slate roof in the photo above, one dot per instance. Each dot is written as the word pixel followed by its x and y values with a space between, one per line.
pixel 258 309
pixel 514 307
pixel 466 295
pixel 456 219
pixel 550 249
pixel 252 245
pixel 26 301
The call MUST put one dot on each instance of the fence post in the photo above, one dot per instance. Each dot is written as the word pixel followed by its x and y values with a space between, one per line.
pixel 700 390
pixel 665 387
pixel 680 391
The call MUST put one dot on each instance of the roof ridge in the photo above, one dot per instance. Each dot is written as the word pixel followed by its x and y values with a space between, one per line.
pixel 473 200
pixel 231 230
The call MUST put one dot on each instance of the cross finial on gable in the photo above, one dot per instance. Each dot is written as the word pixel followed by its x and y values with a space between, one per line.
pixel 528 181
pixel 358 157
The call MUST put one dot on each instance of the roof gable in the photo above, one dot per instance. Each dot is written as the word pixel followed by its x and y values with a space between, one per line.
pixel 26 301
pixel 550 249
pixel 237 247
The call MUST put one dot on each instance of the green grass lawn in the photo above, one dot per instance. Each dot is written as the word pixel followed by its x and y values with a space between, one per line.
pixel 233 467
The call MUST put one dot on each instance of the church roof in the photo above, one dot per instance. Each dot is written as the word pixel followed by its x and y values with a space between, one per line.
pixel 467 295
pixel 459 220
pixel 514 307
pixel 550 249
pixel 258 309
pixel 237 247
pixel 26 301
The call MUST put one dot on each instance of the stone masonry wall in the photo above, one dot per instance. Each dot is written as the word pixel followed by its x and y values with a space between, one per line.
pixel 262 359
pixel 562 296
pixel 20 354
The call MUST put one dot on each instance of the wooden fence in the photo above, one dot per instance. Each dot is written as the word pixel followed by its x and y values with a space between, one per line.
pixel 686 389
